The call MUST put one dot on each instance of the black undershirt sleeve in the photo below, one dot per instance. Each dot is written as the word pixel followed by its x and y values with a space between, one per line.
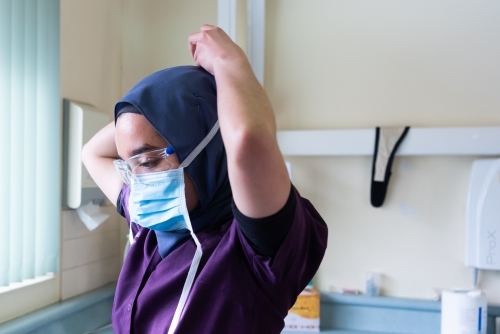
pixel 265 235
pixel 119 206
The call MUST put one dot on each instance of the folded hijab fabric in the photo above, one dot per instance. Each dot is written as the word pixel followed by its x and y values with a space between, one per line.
pixel 181 105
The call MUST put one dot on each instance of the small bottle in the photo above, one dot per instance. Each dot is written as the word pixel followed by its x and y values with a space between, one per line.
pixel 372 283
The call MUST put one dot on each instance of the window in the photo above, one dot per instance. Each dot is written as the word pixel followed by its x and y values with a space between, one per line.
pixel 30 145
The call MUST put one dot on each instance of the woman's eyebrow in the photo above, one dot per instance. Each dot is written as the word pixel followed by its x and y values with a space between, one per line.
pixel 143 148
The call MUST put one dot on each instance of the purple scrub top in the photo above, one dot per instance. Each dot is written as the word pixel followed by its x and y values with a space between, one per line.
pixel 235 291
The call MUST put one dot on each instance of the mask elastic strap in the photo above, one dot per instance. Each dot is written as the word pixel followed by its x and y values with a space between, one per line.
pixel 199 252
pixel 187 285
pixel 200 146
pixel 131 238
pixel 194 264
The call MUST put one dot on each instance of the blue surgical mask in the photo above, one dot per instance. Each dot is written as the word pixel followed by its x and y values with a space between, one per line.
pixel 158 202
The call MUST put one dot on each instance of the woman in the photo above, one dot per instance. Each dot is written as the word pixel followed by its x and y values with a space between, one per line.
pixel 221 240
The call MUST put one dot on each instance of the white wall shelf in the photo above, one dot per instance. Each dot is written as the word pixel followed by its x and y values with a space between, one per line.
pixel 419 141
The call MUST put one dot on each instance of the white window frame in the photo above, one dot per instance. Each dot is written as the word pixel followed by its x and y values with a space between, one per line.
pixel 21 298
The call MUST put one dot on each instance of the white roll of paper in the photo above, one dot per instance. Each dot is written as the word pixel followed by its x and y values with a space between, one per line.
pixel 463 312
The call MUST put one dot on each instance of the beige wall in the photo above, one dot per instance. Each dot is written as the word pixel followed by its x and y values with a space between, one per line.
pixel 91 72
pixel 137 42
pixel 91 51
pixel 173 22
pixel 358 64
pixel 156 32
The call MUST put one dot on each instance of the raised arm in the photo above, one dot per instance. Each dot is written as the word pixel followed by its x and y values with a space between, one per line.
pixel 98 155
pixel 257 171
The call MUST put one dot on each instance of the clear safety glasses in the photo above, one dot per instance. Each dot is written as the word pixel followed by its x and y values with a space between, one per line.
pixel 143 163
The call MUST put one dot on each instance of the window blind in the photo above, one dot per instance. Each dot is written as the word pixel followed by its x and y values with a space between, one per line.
pixel 29 139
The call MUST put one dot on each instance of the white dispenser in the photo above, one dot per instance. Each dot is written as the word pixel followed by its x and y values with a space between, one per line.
pixel 483 216
pixel 80 192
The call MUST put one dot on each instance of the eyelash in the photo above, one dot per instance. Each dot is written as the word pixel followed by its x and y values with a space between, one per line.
pixel 149 163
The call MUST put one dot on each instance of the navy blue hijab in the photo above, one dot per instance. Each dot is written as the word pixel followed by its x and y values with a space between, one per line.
pixel 181 105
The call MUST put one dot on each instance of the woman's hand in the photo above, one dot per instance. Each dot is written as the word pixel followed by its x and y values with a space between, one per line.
pixel 211 46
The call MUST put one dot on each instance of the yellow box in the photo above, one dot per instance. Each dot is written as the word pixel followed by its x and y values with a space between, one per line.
pixel 304 314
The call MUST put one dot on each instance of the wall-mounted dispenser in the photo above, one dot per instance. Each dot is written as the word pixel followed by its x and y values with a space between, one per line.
pixel 80 192
pixel 483 216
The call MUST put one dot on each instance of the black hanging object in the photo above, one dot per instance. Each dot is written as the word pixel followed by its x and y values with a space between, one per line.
pixel 387 141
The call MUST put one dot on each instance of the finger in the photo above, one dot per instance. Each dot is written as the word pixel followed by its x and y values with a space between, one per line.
pixel 196 62
pixel 192 49
pixel 195 56
pixel 206 27
pixel 193 40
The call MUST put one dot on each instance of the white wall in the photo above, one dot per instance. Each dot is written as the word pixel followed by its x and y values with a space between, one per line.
pixel 359 64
